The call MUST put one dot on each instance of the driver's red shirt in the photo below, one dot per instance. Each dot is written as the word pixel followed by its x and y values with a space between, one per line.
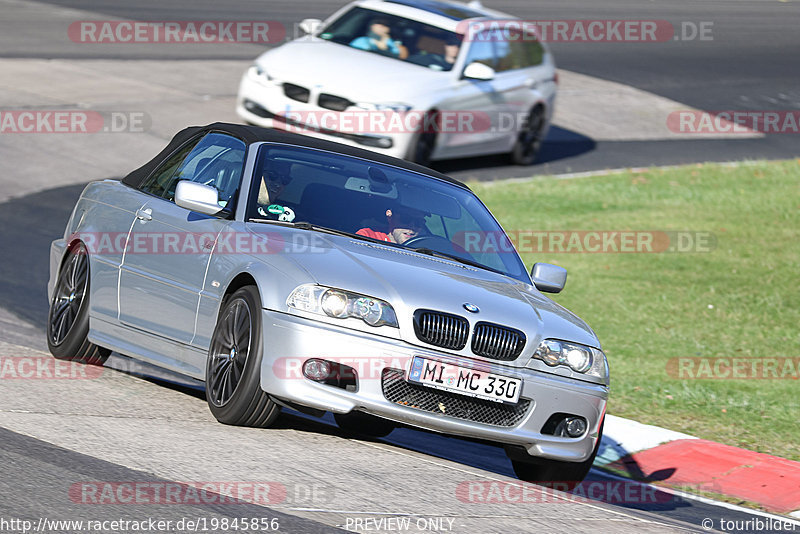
pixel 369 232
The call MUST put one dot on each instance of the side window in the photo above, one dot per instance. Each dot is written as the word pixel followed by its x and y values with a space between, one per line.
pixel 482 49
pixel 158 182
pixel 217 160
pixel 518 52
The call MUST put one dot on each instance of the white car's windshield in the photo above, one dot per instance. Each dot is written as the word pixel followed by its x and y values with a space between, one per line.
pixel 375 201
pixel 396 37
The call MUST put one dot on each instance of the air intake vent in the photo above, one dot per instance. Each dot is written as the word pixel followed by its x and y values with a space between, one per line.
pixel 497 342
pixel 441 329
pixel 335 103
pixel 295 92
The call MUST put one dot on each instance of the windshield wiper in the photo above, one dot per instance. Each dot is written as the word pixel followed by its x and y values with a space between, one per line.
pixel 304 225
pixel 454 257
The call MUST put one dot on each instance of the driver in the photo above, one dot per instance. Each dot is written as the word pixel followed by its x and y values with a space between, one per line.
pixel 404 224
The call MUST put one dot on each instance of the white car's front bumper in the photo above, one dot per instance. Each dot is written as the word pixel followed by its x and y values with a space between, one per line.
pixel 264 103
pixel 290 340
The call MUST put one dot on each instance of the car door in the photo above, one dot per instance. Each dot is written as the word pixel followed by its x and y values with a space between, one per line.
pixel 483 98
pixel 169 247
pixel 521 78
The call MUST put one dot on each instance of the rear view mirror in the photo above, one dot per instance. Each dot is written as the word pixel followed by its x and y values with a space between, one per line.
pixel 197 197
pixel 479 71
pixel 309 26
pixel 548 278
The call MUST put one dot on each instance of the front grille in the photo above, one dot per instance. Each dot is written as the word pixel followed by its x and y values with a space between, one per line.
pixel 397 390
pixel 335 103
pixel 497 342
pixel 295 92
pixel 441 329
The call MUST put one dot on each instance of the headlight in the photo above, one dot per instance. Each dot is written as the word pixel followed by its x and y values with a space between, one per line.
pixel 257 72
pixel 579 358
pixel 342 304
pixel 389 106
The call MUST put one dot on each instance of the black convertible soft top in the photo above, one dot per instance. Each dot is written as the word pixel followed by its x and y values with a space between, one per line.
pixel 254 134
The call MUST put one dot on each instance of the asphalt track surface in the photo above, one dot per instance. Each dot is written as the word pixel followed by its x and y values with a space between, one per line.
pixel 751 63
pixel 53 436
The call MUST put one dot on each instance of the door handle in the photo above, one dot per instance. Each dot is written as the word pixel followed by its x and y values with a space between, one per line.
pixel 144 215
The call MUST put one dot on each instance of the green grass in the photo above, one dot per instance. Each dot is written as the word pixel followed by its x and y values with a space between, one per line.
pixel 742 299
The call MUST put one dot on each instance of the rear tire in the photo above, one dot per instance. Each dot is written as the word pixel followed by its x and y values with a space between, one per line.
pixel 552 472
pixel 364 424
pixel 530 138
pixel 233 378
pixel 68 318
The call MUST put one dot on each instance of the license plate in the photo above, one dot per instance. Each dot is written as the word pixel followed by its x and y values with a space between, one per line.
pixel 466 381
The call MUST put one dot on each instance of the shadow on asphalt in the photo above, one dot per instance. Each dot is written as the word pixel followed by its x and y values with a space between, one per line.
pixel 559 144
pixel 30 224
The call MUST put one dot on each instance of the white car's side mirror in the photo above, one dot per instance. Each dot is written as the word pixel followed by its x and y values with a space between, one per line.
pixel 548 278
pixel 479 71
pixel 197 197
pixel 309 26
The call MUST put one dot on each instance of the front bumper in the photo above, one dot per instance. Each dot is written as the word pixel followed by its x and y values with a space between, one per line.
pixel 290 340
pixel 265 104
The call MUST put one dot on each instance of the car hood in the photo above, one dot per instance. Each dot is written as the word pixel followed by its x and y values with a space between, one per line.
pixel 410 281
pixel 351 73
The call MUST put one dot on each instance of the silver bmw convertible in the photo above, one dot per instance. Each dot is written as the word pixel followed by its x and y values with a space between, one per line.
pixel 285 271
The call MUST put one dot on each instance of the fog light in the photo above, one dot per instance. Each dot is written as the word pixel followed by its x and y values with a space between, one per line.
pixel 576 426
pixel 317 370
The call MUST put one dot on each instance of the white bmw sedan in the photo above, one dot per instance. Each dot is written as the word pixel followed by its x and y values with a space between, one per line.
pixel 416 79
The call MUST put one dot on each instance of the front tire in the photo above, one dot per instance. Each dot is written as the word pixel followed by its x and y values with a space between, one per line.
pixel 233 381
pixel 68 318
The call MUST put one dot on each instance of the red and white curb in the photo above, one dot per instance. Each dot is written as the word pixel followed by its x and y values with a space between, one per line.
pixel 677 459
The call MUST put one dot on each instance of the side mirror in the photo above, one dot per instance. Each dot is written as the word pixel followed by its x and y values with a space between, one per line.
pixel 479 71
pixel 197 197
pixel 548 278
pixel 309 26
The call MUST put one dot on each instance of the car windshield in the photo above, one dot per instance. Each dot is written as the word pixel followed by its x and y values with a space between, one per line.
pixel 396 37
pixel 373 201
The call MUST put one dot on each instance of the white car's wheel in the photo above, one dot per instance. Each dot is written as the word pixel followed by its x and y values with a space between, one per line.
pixel 530 138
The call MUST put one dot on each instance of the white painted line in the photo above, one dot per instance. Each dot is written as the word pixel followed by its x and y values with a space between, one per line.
pixel 625 436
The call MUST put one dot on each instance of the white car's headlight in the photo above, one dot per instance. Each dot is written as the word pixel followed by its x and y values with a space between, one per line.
pixel 342 304
pixel 397 107
pixel 580 358
pixel 257 72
